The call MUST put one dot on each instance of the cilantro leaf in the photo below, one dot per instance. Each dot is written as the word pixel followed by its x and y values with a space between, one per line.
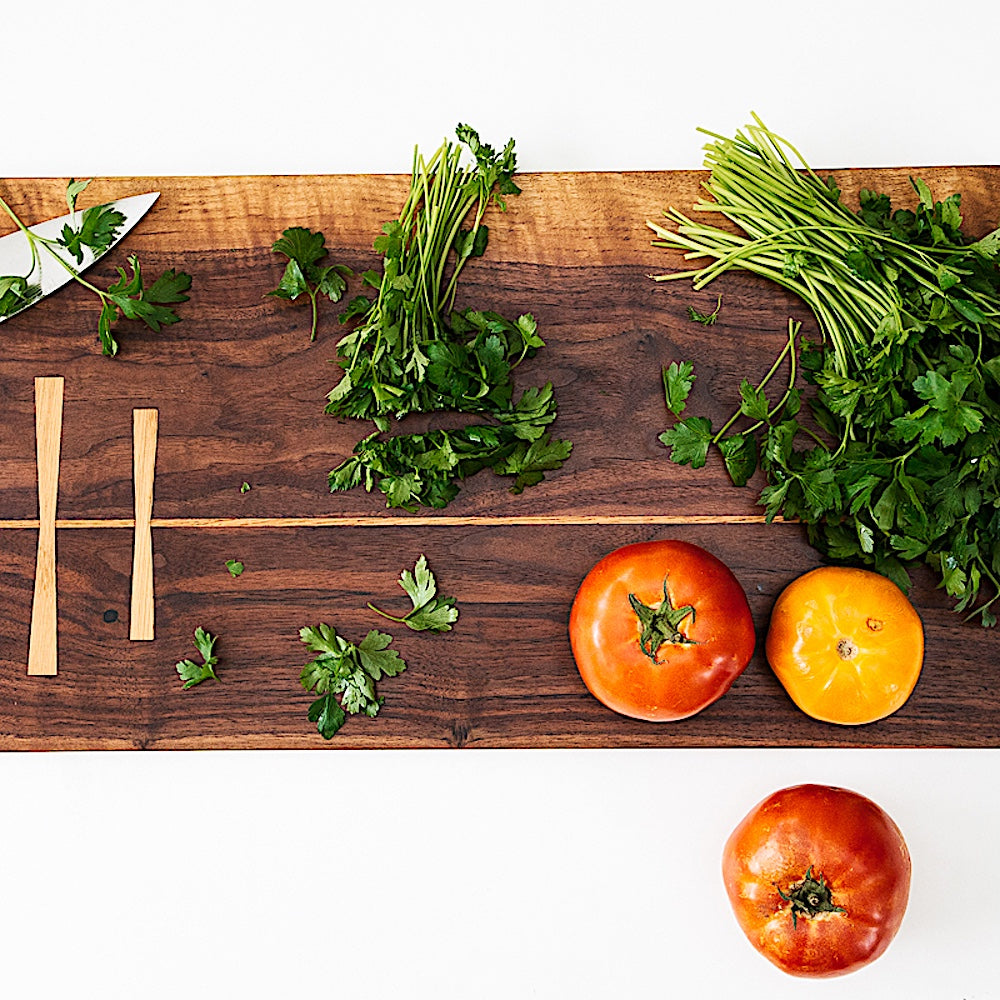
pixel 235 567
pixel 345 669
pixel 677 382
pixel 194 673
pixel 431 612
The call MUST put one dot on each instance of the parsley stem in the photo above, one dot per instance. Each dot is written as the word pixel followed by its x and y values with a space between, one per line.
pixel 34 241
pixel 793 329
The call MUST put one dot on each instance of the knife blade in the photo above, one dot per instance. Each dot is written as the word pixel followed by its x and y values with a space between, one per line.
pixel 42 273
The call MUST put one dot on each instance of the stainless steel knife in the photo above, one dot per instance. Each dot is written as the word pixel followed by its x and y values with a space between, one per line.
pixel 36 263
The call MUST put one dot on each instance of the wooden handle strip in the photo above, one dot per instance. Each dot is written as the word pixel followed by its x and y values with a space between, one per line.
pixel 142 617
pixel 43 644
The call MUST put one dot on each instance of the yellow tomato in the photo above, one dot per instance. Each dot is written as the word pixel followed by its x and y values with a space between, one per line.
pixel 846 644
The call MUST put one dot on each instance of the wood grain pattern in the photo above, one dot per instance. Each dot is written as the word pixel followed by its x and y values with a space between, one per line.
pixel 240 391
pixel 43 646
pixel 142 616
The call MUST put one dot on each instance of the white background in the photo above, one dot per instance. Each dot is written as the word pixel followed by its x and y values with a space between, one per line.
pixel 479 874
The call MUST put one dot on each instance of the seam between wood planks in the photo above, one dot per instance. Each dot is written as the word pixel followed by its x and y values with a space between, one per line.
pixel 369 521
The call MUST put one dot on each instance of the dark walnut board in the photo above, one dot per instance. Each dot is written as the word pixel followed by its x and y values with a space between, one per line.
pixel 240 392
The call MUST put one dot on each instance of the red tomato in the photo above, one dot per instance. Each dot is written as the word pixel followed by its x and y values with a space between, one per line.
pixel 660 630
pixel 818 878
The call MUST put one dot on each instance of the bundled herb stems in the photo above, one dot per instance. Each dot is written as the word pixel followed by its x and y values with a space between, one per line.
pixel 901 459
pixel 413 352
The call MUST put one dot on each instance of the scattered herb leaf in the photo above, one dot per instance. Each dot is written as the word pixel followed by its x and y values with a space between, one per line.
pixel 304 275
pixel 677 382
pixel 235 567
pixel 348 670
pixel 194 673
pixel 431 612
pixel 245 488
pixel 706 319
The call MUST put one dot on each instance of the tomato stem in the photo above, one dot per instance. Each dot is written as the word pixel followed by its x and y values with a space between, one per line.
pixel 661 624
pixel 809 897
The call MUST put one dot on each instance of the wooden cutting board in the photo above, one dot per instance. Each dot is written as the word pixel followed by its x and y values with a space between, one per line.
pixel 240 393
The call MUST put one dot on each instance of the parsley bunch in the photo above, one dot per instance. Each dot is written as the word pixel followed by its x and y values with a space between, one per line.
pixel 96 230
pixel 896 457
pixel 413 352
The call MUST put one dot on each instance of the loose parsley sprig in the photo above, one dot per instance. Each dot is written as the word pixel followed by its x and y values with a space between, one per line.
pixel 431 612
pixel 348 670
pixel 412 352
pixel 128 297
pixel 304 275
pixel 194 673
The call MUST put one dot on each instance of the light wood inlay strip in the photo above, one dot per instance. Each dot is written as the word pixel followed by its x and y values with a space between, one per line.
pixel 366 521
pixel 142 616
pixel 43 645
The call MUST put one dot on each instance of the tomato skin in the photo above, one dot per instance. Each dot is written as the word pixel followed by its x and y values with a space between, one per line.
pixel 605 630
pixel 862 857
pixel 846 645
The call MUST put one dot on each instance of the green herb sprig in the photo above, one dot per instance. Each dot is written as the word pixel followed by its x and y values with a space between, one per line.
pixel 346 669
pixel 194 673
pixel 304 275
pixel 130 296
pixel 896 458
pixel 431 611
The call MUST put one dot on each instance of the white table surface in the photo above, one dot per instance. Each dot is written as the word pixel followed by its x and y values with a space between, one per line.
pixel 481 874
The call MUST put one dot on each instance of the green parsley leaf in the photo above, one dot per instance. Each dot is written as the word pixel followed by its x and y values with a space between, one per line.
pixel 348 670
pixel 431 612
pixel 677 382
pixel 739 452
pixel 245 487
pixel 235 567
pixel 150 305
pixel 303 275
pixel 98 230
pixel 688 441
pixel 194 673
pixel 73 191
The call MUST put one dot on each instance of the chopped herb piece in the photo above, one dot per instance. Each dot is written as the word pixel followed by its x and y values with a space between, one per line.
pixel 706 319
pixel 194 673
pixel 235 567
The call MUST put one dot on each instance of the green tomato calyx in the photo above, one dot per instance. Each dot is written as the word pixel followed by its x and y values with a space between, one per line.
pixel 661 624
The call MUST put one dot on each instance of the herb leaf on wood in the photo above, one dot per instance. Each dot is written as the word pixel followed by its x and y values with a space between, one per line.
pixel 431 611
pixel 348 670
pixel 304 275
pixel 194 673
